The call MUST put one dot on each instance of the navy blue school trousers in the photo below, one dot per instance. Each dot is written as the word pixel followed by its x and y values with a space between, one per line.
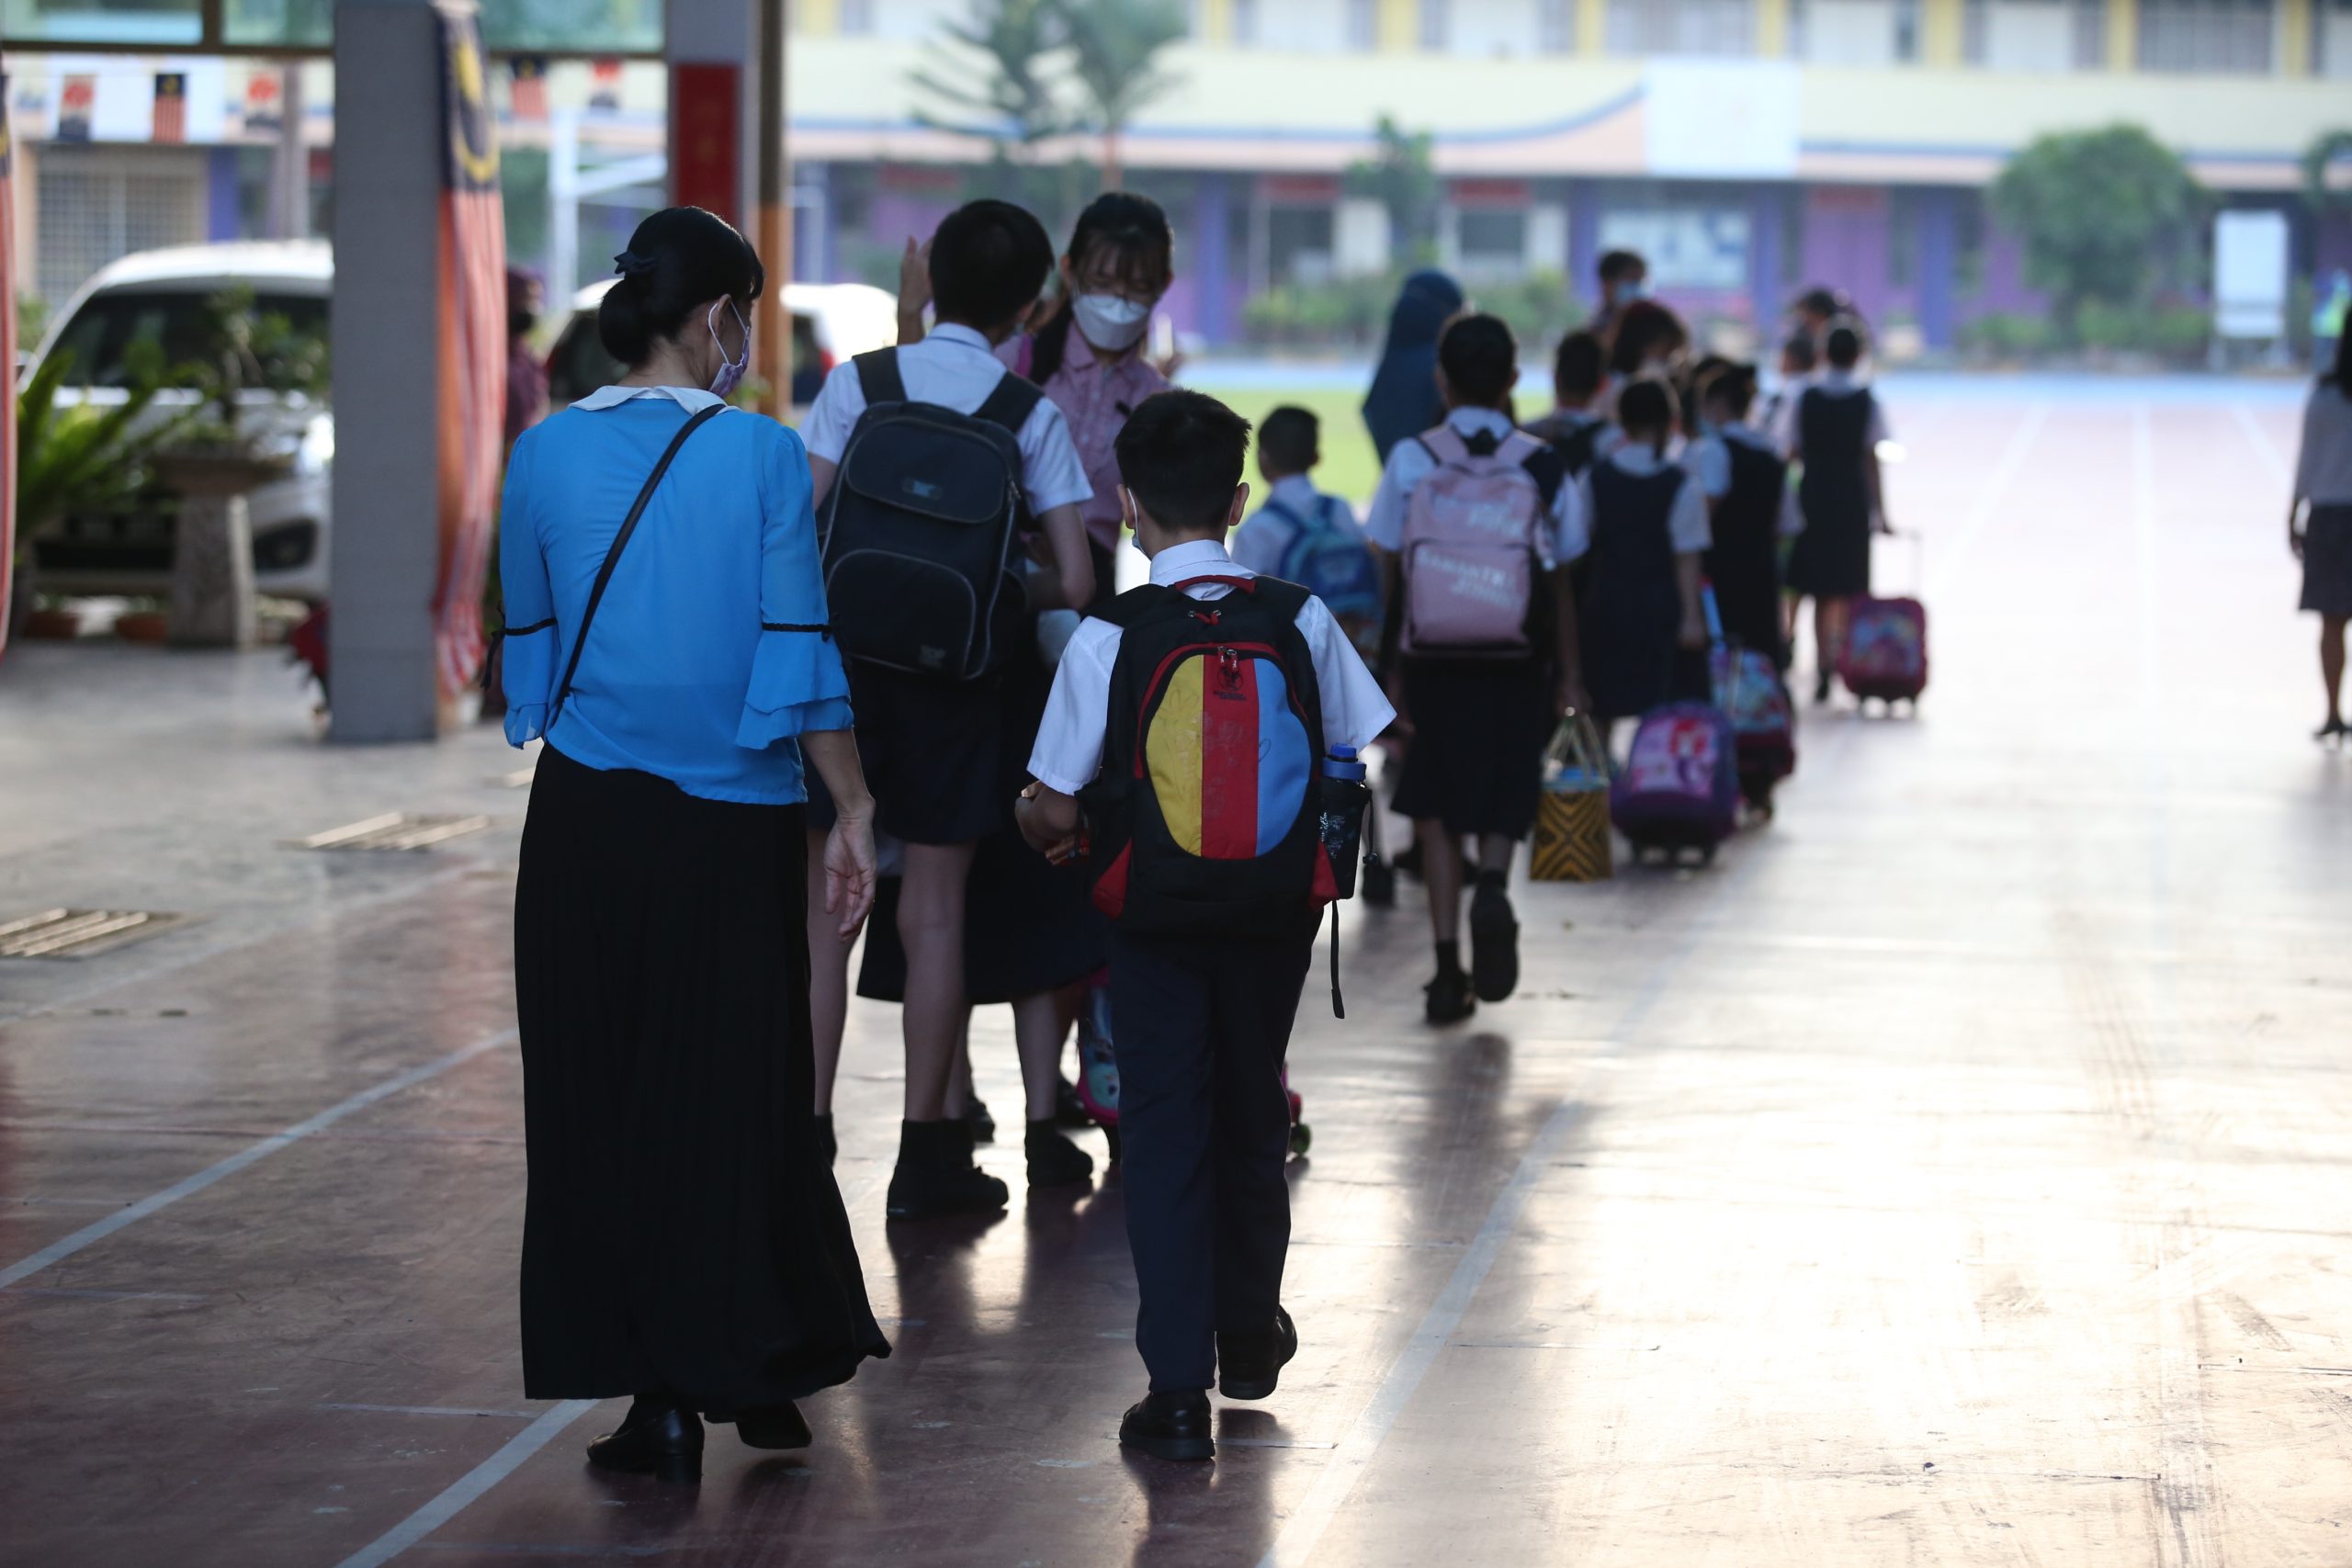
pixel 1200 1027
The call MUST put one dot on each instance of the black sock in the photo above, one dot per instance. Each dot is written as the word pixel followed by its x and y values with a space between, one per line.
pixel 1497 880
pixel 1449 958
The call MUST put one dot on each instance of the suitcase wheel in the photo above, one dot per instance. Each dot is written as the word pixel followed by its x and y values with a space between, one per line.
pixel 1301 1136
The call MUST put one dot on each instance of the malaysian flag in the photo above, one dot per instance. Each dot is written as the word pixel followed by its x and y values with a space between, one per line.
pixel 8 358
pixel 170 107
pixel 529 95
pixel 473 348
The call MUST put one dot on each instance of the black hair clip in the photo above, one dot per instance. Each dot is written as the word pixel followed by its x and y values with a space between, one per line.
pixel 628 264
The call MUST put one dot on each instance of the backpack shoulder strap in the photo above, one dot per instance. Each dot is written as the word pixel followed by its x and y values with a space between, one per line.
pixel 1136 605
pixel 613 555
pixel 1009 402
pixel 1282 510
pixel 1282 597
pixel 1444 444
pixel 878 377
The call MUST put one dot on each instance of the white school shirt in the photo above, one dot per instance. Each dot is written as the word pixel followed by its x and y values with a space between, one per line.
pixel 954 368
pixel 1409 463
pixel 1260 543
pixel 1068 752
pixel 1708 462
pixel 1837 384
pixel 2323 465
pixel 1687 524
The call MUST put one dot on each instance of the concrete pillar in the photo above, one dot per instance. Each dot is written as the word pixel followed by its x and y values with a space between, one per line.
pixel 1771 28
pixel 716 33
pixel 2294 51
pixel 1767 207
pixel 1942 33
pixel 386 326
pixel 1584 240
pixel 1217 22
pixel 1592 28
pixel 1208 255
pixel 1938 254
pixel 1397 26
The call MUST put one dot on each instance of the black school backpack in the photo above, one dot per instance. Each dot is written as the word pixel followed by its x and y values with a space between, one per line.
pixel 1206 818
pixel 920 527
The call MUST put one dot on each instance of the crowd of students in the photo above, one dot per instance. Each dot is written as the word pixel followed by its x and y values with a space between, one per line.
pixel 1149 798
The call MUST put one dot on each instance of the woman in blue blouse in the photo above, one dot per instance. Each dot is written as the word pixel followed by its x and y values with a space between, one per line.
pixel 683 1241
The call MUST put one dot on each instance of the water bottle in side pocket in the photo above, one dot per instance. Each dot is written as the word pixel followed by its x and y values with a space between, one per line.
pixel 1344 796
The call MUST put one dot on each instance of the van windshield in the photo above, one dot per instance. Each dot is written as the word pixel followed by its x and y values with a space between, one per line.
pixel 117 333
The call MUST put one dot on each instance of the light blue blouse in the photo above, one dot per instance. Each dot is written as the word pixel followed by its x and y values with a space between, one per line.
pixel 709 655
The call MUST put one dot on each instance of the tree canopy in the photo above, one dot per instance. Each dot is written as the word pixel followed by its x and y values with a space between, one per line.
pixel 2107 217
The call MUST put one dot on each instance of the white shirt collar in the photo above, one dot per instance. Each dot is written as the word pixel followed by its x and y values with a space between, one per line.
pixel 957 333
pixel 694 399
pixel 1193 558
pixel 1297 491
pixel 1471 421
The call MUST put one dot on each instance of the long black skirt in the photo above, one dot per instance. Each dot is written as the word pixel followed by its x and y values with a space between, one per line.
pixel 684 1235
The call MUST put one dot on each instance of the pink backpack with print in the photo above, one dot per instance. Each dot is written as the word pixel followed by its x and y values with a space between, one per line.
pixel 1469 555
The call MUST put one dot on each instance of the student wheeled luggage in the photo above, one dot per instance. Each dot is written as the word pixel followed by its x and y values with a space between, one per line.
pixel 1885 655
pixel 1680 789
pixel 1750 691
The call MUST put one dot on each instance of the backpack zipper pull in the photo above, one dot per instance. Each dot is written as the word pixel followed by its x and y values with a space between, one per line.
pixel 1228 661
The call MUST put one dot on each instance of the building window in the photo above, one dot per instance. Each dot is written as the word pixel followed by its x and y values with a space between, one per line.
pixel 1363 24
pixel 1844 32
pixel 2207 36
pixel 858 17
pixel 2035 35
pixel 99 205
pixel 1301 244
pixel 1490 243
pixel 1689 247
pixel 2332 38
pixel 1681 27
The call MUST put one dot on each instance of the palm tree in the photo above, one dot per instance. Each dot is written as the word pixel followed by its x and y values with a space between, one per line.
pixel 1114 46
pixel 1017 108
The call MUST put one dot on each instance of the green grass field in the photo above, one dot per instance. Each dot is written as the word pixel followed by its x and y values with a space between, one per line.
pixel 1349 468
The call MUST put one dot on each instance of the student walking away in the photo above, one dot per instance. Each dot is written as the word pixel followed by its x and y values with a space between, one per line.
pixel 1404 400
pixel 2324 543
pixel 1206 843
pixel 950 493
pixel 1751 511
pixel 1576 428
pixel 1477 522
pixel 1650 342
pixel 666 638
pixel 1625 278
pixel 527 370
pixel 1800 362
pixel 1640 613
pixel 1304 535
pixel 1836 432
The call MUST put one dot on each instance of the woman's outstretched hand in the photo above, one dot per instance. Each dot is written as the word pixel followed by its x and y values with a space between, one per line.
pixel 849 874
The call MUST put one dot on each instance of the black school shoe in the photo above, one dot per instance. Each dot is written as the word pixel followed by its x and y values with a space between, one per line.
pixel 1449 997
pixel 1169 1426
pixel 1069 1110
pixel 1054 1161
pixel 1494 944
pixel 659 1438
pixel 936 1178
pixel 983 1126
pixel 1249 1365
pixel 770 1426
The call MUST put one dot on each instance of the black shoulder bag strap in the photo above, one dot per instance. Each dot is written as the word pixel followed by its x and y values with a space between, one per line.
pixel 1009 402
pixel 878 377
pixel 613 555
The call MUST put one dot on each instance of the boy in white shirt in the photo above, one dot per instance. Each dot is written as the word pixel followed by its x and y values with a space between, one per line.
pixel 1201 1003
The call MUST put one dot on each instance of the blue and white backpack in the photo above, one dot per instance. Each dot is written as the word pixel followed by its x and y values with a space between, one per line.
pixel 1332 562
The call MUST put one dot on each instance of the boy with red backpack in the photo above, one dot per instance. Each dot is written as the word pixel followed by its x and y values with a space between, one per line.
pixel 1477 522
pixel 1192 717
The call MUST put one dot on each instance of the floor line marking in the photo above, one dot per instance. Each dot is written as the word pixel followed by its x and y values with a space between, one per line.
pixel 510 1457
pixel 426 1410
pixel 2263 448
pixel 90 1234
pixel 1337 1481
pixel 2006 468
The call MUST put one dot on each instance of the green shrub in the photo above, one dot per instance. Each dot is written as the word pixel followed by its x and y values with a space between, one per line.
pixel 1352 312
pixel 2179 332
pixel 2007 334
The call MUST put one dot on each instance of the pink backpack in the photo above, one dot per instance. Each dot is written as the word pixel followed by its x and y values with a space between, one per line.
pixel 1470 551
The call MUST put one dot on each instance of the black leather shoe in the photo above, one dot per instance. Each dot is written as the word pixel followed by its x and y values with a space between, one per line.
pixel 658 1438
pixel 935 1177
pixel 1494 944
pixel 1169 1426
pixel 773 1427
pixel 976 1115
pixel 1449 997
pixel 1249 1365
pixel 1054 1161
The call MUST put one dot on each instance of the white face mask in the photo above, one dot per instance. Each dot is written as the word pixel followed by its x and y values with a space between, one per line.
pixel 1109 322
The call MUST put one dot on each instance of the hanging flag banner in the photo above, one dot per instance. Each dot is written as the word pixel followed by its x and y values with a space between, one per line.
pixel 529 88
pixel 706 137
pixel 7 357
pixel 264 113
pixel 473 348
pixel 170 107
pixel 605 85
pixel 77 100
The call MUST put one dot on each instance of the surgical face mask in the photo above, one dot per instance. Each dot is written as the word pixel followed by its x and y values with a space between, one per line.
pixel 1628 291
pixel 730 371
pixel 1109 322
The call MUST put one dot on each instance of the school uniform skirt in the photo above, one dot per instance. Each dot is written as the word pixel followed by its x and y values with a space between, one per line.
pixel 1476 760
pixel 2327 559
pixel 682 1234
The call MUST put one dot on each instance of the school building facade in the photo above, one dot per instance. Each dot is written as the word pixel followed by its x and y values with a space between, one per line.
pixel 1747 147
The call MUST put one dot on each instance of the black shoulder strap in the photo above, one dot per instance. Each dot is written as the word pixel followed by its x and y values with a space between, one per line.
pixel 1009 404
pixel 1282 598
pixel 613 555
pixel 878 377
pixel 1129 609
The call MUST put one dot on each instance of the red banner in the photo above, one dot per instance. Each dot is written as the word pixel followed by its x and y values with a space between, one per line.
pixel 473 349
pixel 707 139
pixel 8 358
